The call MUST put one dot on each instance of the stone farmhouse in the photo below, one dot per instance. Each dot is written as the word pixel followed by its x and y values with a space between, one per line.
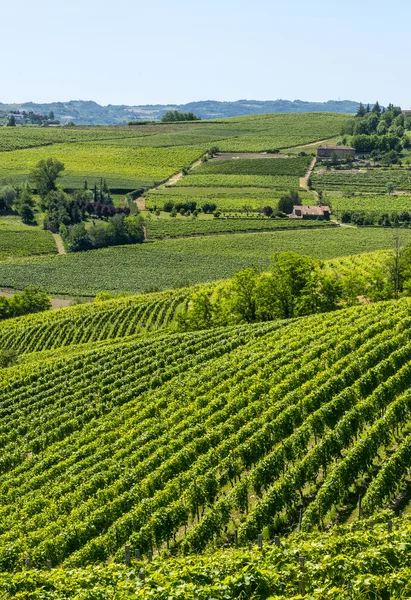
pixel 325 152
pixel 321 213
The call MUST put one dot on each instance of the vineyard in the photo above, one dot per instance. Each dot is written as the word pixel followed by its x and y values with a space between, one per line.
pixel 123 167
pixel 268 166
pixel 133 157
pixel 166 228
pixel 282 182
pixel 370 204
pixel 122 317
pixel 17 239
pixel 148 453
pixel 368 182
pixel 366 562
pixel 226 199
pixel 94 322
pixel 174 263
pixel 178 441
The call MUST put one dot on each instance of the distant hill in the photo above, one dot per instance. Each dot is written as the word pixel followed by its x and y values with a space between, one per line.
pixel 91 113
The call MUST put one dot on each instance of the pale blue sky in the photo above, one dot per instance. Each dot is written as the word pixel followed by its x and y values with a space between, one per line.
pixel 134 52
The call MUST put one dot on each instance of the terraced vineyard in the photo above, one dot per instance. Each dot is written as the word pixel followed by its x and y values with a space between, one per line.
pixel 180 439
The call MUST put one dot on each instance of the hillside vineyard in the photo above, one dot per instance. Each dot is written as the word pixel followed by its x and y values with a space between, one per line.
pixel 179 440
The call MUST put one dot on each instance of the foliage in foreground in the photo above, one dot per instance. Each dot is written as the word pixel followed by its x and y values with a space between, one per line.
pixel 366 564
pixel 31 300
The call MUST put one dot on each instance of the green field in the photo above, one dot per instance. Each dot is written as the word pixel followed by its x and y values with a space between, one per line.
pixel 226 198
pixel 122 167
pixel 380 204
pixel 132 157
pixel 163 228
pixel 260 166
pixel 368 182
pixel 17 239
pixel 282 182
pixel 174 263
pixel 256 461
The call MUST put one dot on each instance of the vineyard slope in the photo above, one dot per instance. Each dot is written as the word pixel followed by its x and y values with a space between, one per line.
pixel 176 440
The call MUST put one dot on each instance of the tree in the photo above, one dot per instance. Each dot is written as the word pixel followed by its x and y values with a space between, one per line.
pixel 45 175
pixel 51 116
pixel 242 294
pixel 79 238
pixel 25 206
pixel 8 196
pixel 390 188
pixel 134 226
pixel 286 203
pixel 376 108
pixel 175 115
pixel 268 211
pixel 12 121
pixel 334 159
pixel 200 315
pixel 360 110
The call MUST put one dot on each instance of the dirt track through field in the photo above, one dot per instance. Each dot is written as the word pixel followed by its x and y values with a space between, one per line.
pixel 304 180
pixel 141 202
pixel 59 243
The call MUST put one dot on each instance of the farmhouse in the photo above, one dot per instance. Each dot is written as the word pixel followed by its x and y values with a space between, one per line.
pixel 325 152
pixel 321 213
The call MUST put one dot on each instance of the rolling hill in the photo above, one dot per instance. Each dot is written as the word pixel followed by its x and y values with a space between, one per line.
pixel 91 113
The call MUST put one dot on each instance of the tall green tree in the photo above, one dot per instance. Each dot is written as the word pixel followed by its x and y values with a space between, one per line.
pixel 45 174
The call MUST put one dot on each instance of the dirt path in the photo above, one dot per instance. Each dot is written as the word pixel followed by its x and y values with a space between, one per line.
pixel 55 302
pixel 141 202
pixel 310 144
pixel 304 180
pixel 59 243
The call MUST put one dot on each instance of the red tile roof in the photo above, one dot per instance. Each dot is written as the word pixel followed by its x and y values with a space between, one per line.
pixel 311 210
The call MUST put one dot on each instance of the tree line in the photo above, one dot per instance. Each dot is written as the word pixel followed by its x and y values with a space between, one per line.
pixel 296 286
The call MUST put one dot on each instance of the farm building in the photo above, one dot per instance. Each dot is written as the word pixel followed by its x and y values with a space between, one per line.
pixel 325 152
pixel 321 213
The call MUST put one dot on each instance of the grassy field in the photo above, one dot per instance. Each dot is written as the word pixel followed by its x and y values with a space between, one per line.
pixel 17 239
pixel 175 263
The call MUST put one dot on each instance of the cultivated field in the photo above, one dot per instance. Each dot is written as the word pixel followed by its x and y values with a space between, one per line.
pixel 175 263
